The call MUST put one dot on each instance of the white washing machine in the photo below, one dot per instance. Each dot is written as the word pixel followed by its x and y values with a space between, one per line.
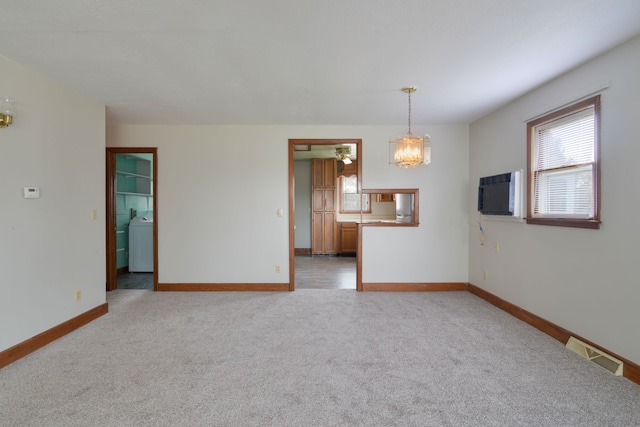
pixel 141 244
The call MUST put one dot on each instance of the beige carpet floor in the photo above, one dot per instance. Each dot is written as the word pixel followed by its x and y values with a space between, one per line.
pixel 310 358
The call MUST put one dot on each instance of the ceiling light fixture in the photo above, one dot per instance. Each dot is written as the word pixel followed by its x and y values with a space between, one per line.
pixel 6 112
pixel 409 150
pixel 344 155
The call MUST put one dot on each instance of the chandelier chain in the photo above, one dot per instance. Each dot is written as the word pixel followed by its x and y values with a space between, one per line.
pixel 409 133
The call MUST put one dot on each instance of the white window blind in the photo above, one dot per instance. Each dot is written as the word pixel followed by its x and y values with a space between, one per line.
pixel 351 199
pixel 564 169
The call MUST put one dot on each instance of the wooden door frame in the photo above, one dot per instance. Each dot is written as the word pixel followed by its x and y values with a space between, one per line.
pixel 111 265
pixel 292 250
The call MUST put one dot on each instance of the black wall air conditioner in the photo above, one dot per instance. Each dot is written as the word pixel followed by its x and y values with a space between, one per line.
pixel 500 194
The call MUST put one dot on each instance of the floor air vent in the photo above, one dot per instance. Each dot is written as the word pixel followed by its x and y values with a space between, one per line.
pixel 608 362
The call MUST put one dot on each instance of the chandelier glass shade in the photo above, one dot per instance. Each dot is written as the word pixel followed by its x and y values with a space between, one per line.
pixel 410 150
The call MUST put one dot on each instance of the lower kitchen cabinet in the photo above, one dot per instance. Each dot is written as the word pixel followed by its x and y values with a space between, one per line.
pixel 348 238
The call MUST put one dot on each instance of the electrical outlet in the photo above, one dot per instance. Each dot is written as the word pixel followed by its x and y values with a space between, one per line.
pixel 497 247
pixel 486 275
pixel 277 268
pixel 77 295
pixel 94 214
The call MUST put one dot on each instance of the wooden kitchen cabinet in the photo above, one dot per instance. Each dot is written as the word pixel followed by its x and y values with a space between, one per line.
pixel 324 236
pixel 348 170
pixel 385 197
pixel 348 238
pixel 324 172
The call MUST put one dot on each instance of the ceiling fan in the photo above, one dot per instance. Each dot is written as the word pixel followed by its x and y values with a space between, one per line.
pixel 344 155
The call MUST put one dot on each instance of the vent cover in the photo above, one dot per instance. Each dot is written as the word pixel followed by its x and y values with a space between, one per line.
pixel 597 356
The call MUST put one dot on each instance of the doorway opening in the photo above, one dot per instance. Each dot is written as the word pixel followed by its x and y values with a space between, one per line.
pixel 325 245
pixel 132 218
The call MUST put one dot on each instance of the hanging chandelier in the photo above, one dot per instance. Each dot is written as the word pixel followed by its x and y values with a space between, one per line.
pixel 409 150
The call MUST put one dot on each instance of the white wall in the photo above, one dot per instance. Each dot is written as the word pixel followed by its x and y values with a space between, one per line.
pixel 217 207
pixel 434 251
pixel 49 247
pixel 302 182
pixel 583 280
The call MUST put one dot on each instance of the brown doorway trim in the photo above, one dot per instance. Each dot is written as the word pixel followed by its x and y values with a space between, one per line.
pixel 292 251
pixel 111 266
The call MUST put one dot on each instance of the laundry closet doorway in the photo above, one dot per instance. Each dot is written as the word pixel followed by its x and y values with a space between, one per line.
pixel 132 218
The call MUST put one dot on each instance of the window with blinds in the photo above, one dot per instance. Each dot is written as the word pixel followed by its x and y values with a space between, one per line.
pixel 563 182
pixel 350 200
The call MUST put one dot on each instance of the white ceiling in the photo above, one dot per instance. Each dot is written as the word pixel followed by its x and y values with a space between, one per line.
pixel 306 62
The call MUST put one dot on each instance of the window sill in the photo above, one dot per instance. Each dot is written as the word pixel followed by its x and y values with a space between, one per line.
pixel 593 224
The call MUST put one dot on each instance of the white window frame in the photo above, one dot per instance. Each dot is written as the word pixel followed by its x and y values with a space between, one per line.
pixel 350 202
pixel 543 210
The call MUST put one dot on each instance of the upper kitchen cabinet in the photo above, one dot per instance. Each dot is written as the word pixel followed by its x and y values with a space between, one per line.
pixel 347 169
pixel 324 172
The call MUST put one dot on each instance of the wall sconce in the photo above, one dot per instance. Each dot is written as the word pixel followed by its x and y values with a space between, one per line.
pixel 6 112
